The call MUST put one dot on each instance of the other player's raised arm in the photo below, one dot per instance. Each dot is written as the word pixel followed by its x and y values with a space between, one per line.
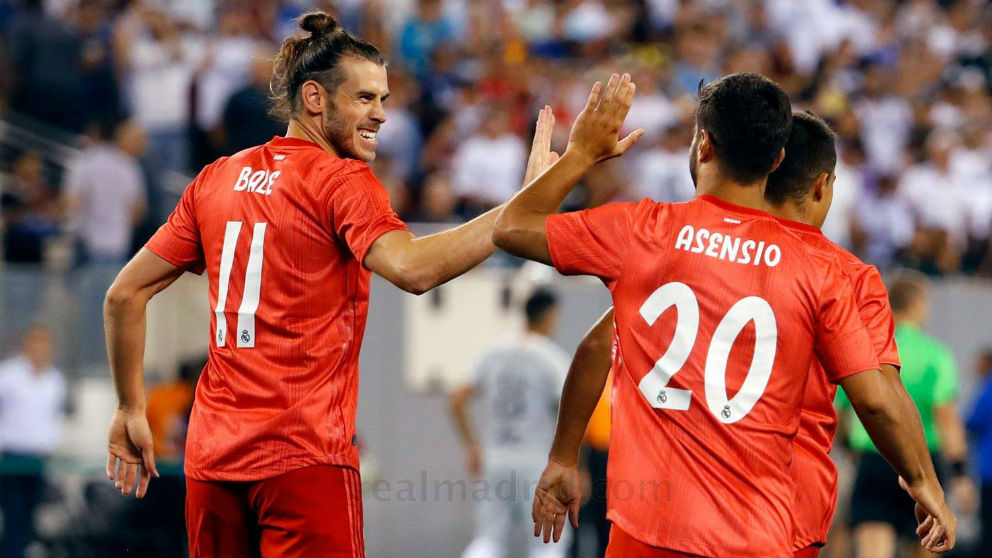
pixel 594 137
pixel 417 265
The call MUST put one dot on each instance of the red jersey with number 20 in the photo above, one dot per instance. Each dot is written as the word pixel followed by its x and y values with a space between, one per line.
pixel 812 468
pixel 282 230
pixel 719 310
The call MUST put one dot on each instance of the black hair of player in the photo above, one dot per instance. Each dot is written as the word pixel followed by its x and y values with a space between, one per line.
pixel 748 117
pixel 810 151
pixel 905 289
pixel 538 304
pixel 317 57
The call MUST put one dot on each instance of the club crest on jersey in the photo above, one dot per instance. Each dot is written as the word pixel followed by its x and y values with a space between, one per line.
pixel 726 247
pixel 257 181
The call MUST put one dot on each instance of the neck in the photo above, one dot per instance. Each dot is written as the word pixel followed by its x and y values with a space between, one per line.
pixel 537 330
pixel 303 131
pixel 751 195
pixel 788 211
pixel 905 318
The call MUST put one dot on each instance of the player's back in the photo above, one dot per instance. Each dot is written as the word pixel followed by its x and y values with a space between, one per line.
pixel 718 310
pixel 520 380
pixel 813 469
pixel 283 228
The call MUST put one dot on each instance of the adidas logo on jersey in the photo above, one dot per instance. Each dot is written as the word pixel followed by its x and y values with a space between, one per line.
pixel 251 180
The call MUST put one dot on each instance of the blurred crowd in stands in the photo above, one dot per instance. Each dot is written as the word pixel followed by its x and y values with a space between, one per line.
pixel 163 86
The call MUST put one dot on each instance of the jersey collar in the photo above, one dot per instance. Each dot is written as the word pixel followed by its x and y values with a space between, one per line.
pixel 789 223
pixel 731 207
pixel 282 141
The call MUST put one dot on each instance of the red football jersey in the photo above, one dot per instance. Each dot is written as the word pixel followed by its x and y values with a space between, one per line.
pixel 282 230
pixel 719 310
pixel 812 468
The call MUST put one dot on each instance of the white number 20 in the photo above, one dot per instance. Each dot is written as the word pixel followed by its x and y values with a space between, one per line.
pixel 252 288
pixel 655 387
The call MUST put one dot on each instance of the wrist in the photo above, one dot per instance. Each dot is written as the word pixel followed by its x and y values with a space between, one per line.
pixel 578 157
pixel 959 468
pixel 564 458
pixel 132 408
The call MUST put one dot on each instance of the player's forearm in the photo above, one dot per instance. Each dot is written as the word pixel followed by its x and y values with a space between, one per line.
pixel 582 390
pixel 441 257
pixel 124 323
pixel 459 415
pixel 894 427
pixel 954 444
pixel 520 227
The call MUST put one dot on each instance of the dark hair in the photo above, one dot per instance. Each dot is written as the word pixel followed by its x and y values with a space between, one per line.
pixel 748 118
pixel 906 288
pixel 538 304
pixel 810 151
pixel 317 57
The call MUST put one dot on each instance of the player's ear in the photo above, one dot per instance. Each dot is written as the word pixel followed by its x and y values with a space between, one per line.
pixel 820 186
pixel 312 97
pixel 778 160
pixel 704 148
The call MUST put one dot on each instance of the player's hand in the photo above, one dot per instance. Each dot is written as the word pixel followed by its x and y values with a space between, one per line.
pixel 964 494
pixel 541 156
pixel 130 455
pixel 596 131
pixel 473 460
pixel 937 527
pixel 558 492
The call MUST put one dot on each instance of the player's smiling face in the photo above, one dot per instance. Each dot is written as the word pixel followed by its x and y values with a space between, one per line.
pixel 356 111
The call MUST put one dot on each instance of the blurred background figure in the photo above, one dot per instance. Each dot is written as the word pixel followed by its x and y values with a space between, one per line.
pixel 32 410
pixel 246 117
pixel 881 513
pixel 104 193
pixel 488 167
pixel 519 380
pixel 980 427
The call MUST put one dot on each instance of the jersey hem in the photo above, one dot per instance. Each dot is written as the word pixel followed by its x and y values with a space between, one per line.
pixel 700 549
pixel 250 475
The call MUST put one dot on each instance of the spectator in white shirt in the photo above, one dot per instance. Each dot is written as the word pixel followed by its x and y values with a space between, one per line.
pixel 32 403
pixel 105 194
pixel 883 224
pixel 849 188
pixel 938 207
pixel 489 166
pixel 662 172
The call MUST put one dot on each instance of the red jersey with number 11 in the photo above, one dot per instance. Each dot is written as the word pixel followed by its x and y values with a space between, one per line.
pixel 282 230
pixel 719 311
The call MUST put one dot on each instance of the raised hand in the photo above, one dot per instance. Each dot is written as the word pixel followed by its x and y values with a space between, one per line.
pixel 558 492
pixel 596 131
pixel 131 457
pixel 541 156
pixel 937 526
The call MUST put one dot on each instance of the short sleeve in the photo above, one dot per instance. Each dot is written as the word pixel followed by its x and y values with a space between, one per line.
pixel 178 240
pixel 876 314
pixel 842 344
pixel 360 212
pixel 592 241
pixel 946 387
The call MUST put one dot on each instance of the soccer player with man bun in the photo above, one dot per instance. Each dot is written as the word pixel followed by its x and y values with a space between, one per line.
pixel 288 233
pixel 719 309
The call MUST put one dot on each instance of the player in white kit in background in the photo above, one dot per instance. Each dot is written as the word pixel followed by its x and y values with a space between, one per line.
pixel 519 381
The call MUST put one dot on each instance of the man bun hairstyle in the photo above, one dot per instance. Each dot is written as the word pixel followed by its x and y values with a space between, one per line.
pixel 317 57
pixel 748 117
pixel 809 152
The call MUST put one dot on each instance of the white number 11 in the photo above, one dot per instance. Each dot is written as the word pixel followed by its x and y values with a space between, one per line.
pixel 253 284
